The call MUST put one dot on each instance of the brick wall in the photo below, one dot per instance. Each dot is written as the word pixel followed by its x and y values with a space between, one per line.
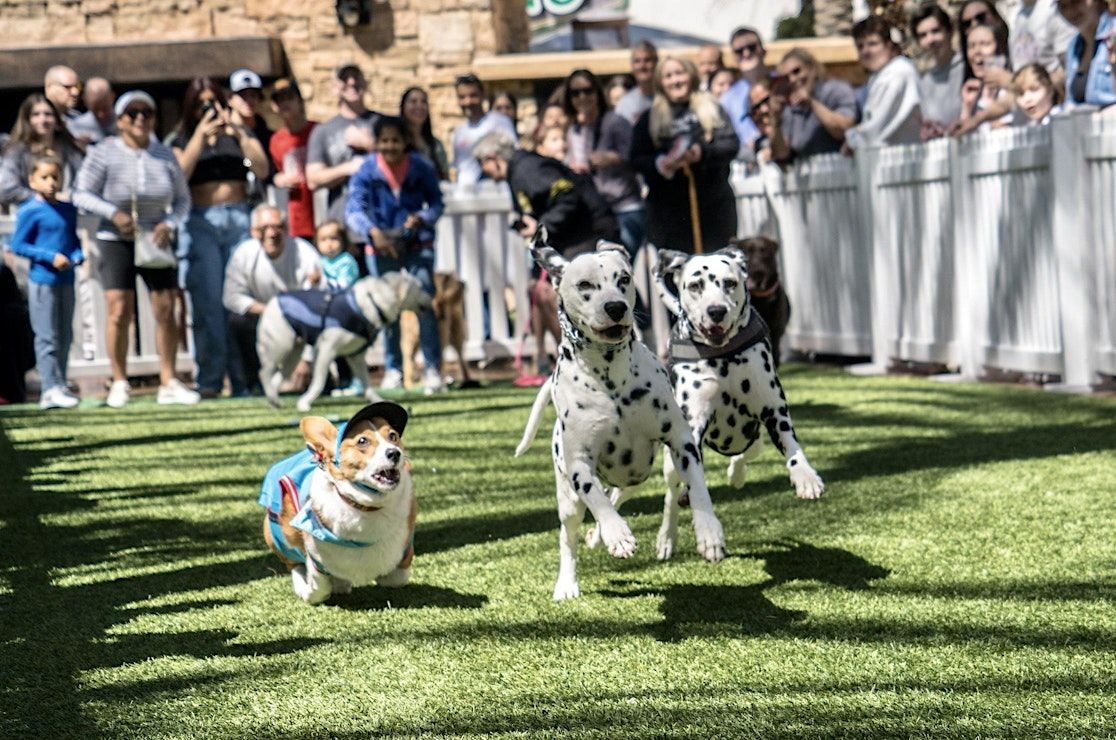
pixel 408 42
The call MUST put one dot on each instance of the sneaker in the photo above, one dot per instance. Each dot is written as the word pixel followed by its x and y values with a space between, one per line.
pixel 176 393
pixel 57 398
pixel 432 380
pixel 354 389
pixel 118 394
pixel 392 380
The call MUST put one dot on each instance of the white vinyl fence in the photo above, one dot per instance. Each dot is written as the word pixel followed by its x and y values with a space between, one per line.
pixel 997 251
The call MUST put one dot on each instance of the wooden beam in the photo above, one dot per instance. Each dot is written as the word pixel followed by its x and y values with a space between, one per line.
pixel 838 54
pixel 137 63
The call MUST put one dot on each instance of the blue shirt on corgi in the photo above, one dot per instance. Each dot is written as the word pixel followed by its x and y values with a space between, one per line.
pixel 295 471
pixel 43 230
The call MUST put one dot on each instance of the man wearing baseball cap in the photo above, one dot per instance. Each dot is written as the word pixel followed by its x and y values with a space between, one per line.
pixel 337 147
pixel 288 155
pixel 245 101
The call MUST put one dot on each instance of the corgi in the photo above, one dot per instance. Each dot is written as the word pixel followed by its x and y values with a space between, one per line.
pixel 342 512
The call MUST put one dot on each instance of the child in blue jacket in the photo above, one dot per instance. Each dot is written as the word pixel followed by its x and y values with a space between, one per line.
pixel 46 233
pixel 395 198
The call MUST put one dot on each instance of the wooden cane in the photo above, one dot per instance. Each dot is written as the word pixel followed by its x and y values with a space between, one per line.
pixel 695 218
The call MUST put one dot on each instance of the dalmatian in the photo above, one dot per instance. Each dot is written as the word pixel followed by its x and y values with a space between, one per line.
pixel 723 370
pixel 615 409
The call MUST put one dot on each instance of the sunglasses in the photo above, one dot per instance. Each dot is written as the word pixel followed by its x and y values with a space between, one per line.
pixel 577 92
pixel 761 103
pixel 134 113
pixel 977 20
pixel 750 49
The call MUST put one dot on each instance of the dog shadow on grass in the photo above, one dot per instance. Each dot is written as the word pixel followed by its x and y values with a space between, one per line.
pixel 414 596
pixel 690 609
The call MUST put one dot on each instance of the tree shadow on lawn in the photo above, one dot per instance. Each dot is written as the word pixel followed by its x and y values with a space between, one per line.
pixel 52 630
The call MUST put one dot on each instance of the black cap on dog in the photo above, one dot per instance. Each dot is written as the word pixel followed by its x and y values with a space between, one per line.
pixel 392 413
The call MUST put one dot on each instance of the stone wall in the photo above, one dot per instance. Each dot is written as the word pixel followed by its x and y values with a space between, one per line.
pixel 408 42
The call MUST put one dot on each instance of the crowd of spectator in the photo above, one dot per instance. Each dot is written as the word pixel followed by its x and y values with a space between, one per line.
pixel 638 157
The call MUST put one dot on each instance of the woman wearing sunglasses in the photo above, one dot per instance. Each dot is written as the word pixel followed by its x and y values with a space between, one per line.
pixel 134 183
pixel 598 143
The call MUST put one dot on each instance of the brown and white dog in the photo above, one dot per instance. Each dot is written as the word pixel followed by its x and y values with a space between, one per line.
pixel 342 513
pixel 448 305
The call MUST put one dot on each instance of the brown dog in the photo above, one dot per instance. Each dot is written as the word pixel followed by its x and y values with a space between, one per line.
pixel 768 296
pixel 449 309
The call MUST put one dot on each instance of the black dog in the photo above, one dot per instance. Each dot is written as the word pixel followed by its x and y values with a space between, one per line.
pixel 768 296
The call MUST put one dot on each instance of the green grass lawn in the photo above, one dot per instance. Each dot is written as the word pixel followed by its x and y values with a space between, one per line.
pixel 956 579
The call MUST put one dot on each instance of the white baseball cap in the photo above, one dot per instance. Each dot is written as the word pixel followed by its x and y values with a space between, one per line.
pixel 130 97
pixel 245 79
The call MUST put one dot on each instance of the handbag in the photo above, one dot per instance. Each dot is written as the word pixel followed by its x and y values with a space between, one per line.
pixel 148 254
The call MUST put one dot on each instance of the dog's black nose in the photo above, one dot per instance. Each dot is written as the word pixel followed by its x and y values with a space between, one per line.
pixel 717 313
pixel 616 310
pixel 393 454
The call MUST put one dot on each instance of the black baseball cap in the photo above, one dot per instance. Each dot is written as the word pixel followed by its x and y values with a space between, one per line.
pixel 392 413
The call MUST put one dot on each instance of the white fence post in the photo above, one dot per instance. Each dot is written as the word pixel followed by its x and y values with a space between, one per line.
pixel 1073 250
pixel 882 274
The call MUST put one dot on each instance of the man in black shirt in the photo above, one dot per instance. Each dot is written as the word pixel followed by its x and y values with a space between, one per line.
pixel 546 192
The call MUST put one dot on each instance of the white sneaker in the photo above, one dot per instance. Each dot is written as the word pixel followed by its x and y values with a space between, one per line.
pixel 392 380
pixel 118 394
pixel 432 379
pixel 57 398
pixel 176 393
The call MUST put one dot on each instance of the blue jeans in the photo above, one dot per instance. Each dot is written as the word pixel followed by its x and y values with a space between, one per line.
pixel 633 230
pixel 52 319
pixel 211 235
pixel 420 263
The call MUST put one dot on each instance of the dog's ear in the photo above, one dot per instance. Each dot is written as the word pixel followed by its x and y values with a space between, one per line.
pixel 547 258
pixel 604 245
pixel 321 438
pixel 735 251
pixel 667 272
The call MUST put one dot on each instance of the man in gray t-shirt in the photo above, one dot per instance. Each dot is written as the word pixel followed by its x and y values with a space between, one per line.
pixel 337 148
pixel 803 128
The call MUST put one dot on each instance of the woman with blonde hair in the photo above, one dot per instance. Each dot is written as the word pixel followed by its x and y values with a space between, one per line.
pixel 683 145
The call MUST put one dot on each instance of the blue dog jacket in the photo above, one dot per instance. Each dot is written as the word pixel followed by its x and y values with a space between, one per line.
pixel 291 477
pixel 309 312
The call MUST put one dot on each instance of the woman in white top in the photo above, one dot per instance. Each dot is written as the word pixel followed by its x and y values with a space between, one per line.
pixel 892 112
pixel 136 186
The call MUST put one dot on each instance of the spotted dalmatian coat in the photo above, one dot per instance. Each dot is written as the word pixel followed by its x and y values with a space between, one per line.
pixel 614 411
pixel 722 366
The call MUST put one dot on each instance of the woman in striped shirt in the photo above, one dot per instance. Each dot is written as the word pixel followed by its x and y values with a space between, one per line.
pixel 134 183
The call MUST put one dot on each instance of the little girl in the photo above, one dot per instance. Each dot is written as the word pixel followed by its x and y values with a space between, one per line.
pixel 1036 98
pixel 396 200
pixel 338 265
pixel 46 233
pixel 340 270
